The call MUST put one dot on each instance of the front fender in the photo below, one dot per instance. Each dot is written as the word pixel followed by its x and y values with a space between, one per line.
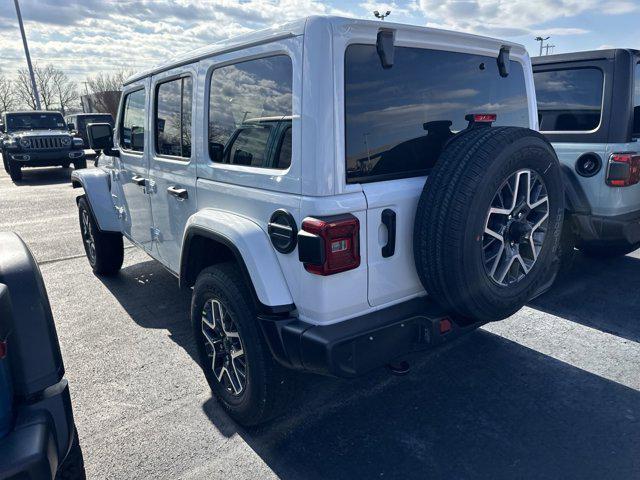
pixel 97 186
pixel 252 249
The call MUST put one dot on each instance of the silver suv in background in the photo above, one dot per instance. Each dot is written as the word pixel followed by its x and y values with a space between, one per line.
pixel 589 108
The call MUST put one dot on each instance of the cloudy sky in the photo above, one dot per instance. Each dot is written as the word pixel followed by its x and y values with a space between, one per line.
pixel 84 36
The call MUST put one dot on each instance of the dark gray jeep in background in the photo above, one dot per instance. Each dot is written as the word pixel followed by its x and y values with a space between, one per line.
pixel 38 139
pixel 77 123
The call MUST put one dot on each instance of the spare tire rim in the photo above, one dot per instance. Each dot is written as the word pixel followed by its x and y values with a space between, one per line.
pixel 224 346
pixel 87 236
pixel 515 227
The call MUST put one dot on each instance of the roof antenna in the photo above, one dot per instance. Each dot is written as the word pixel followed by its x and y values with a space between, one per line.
pixel 381 16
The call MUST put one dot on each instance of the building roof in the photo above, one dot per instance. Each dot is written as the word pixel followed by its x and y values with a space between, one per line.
pixel 580 56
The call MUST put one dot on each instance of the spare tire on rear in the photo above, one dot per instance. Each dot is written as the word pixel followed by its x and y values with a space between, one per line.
pixel 488 223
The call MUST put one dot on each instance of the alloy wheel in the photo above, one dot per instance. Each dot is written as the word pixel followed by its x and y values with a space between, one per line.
pixel 87 236
pixel 515 227
pixel 224 346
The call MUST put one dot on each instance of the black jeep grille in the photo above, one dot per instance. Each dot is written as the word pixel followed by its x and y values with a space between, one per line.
pixel 42 143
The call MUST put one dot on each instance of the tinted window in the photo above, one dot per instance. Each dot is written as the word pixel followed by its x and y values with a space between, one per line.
pixel 132 133
pixel 249 147
pixel 35 121
pixel 636 101
pixel 398 119
pixel 256 91
pixel 284 154
pixel 569 100
pixel 173 118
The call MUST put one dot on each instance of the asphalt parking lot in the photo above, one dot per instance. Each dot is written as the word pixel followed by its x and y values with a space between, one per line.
pixel 553 392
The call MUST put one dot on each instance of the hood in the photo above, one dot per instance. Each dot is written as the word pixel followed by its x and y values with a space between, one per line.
pixel 39 133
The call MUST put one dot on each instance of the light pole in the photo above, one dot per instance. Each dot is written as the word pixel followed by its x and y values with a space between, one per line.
pixel 541 40
pixel 26 52
pixel 381 16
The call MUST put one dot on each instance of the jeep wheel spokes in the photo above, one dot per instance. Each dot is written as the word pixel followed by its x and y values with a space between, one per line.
pixel 515 227
pixel 87 236
pixel 224 347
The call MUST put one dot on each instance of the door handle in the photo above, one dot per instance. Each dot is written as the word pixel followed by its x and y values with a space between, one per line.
pixel 180 193
pixel 139 180
pixel 389 221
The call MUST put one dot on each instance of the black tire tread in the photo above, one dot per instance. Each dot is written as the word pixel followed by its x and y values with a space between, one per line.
pixel 443 215
pixel 109 246
pixel 275 384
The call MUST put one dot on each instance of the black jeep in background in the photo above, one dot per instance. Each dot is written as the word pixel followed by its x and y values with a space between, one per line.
pixel 38 139
pixel 78 122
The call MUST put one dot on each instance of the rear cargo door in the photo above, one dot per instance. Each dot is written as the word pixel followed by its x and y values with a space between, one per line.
pixel 397 121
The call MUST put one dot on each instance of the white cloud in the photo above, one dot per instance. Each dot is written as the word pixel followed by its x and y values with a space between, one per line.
pixel 515 17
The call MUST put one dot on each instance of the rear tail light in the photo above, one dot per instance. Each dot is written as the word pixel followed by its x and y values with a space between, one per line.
pixel 329 245
pixel 624 169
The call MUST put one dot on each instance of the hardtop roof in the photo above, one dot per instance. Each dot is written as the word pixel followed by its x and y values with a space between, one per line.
pixel 288 30
pixel 609 53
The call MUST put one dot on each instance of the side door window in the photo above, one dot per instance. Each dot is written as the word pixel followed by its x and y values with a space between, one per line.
pixel 172 175
pixel 132 133
pixel 134 168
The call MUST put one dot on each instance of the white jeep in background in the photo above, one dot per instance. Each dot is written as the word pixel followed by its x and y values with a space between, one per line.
pixel 337 193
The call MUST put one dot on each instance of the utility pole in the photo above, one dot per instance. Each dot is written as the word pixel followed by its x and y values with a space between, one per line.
pixel 26 52
pixel 541 40
pixel 547 47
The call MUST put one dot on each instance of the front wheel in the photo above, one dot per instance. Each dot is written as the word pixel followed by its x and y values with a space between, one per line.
pixel 15 171
pixel 232 351
pixel 80 164
pixel 105 250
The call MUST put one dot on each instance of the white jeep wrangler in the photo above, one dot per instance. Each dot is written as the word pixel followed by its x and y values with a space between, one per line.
pixel 312 182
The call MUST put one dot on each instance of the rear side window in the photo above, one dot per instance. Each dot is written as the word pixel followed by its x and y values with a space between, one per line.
pixel 397 120
pixel 249 102
pixel 569 100
pixel 636 102
pixel 133 117
pixel 173 118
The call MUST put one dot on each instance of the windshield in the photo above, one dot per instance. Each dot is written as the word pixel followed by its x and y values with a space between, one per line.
pixel 34 121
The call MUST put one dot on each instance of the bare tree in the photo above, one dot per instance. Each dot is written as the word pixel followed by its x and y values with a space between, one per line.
pixel 23 90
pixel 65 90
pixel 8 100
pixel 104 90
pixel 44 82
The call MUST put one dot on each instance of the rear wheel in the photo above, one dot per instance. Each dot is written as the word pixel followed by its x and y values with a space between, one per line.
pixel 489 219
pixel 15 171
pixel 105 250
pixel 233 354
pixel 5 163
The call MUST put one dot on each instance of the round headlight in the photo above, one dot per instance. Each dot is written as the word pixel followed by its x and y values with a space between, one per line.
pixel 24 142
pixel 66 141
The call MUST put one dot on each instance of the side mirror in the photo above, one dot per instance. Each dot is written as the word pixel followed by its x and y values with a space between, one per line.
pixel 71 126
pixel 101 137
pixel 216 151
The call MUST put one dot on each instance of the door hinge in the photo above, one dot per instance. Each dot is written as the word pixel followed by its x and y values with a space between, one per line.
pixel 151 186
pixel 155 233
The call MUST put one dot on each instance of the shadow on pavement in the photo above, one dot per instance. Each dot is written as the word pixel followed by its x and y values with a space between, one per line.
pixel 598 293
pixel 484 407
pixel 44 176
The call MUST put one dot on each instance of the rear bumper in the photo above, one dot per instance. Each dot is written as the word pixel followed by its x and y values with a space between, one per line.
pixel 41 437
pixel 616 230
pixel 358 345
